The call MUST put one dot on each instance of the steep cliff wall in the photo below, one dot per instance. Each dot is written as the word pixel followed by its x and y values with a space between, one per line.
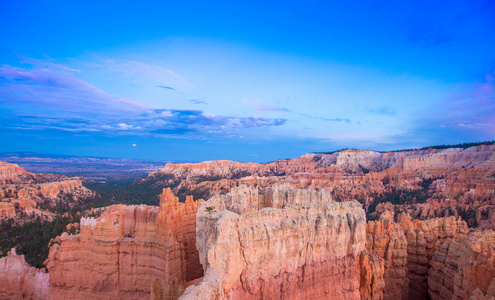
pixel 370 271
pixel 305 246
pixel 125 251
pixel 421 238
pixel 386 239
pixel 406 249
pixel 463 268
pixel 21 281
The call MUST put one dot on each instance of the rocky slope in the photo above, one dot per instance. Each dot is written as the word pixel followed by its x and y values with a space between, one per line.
pixel 25 195
pixel 12 173
pixel 284 244
pixel 121 254
pixel 424 183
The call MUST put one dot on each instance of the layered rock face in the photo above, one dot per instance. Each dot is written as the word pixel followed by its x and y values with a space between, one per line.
pixel 370 271
pixel 454 181
pixel 283 244
pixel 22 193
pixel 12 173
pixel 464 268
pixel 21 281
pixel 405 248
pixel 386 240
pixel 125 251
pixel 421 238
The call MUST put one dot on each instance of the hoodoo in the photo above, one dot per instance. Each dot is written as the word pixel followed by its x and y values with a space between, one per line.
pixel 284 244
pixel 122 253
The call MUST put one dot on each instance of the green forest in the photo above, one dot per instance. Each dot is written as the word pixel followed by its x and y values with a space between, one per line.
pixel 32 238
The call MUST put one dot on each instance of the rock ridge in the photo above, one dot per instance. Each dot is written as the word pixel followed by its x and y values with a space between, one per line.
pixel 293 250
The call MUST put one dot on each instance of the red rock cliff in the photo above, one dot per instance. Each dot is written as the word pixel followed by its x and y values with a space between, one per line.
pixel 21 281
pixel 125 251
pixel 463 268
pixel 304 247
pixel 462 180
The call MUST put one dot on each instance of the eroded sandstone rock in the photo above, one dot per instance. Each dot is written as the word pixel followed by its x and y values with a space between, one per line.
pixel 18 280
pixel 463 268
pixel 22 193
pixel 421 238
pixel 387 240
pixel 126 250
pixel 305 246
pixel 458 181
pixel 370 271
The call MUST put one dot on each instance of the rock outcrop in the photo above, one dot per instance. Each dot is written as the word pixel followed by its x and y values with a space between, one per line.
pixel 421 238
pixel 125 251
pixel 285 244
pixel 463 268
pixel 432 182
pixel 21 281
pixel 406 249
pixel 25 195
pixel 370 271
pixel 386 240
pixel 12 173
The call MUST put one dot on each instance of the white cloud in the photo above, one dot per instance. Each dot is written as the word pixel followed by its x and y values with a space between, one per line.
pixel 124 126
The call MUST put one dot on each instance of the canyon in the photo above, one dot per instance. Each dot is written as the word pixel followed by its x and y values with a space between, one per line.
pixel 423 183
pixel 283 243
pixel 95 168
pixel 25 195
pixel 350 224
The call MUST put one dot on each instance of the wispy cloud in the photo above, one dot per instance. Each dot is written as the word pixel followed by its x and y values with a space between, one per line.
pixel 54 99
pixel 195 101
pixel 139 72
pixel 166 87
pixel 47 62
pixel 383 110
pixel 260 106
pixel 468 114
pixel 348 121
pixel 345 120
pixel 472 107
pixel 42 89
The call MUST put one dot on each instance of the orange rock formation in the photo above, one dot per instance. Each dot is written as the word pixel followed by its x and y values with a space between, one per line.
pixel 285 244
pixel 421 238
pixel 22 192
pixel 121 254
pixel 464 268
pixel 282 243
pixel 12 173
pixel 21 281
pixel 463 179
pixel 386 239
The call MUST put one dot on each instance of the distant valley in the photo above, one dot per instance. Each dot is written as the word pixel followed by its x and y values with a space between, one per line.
pixel 95 168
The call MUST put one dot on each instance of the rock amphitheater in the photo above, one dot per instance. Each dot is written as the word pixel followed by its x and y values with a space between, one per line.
pixel 269 240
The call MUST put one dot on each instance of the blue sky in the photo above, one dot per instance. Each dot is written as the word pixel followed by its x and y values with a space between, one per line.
pixel 244 80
